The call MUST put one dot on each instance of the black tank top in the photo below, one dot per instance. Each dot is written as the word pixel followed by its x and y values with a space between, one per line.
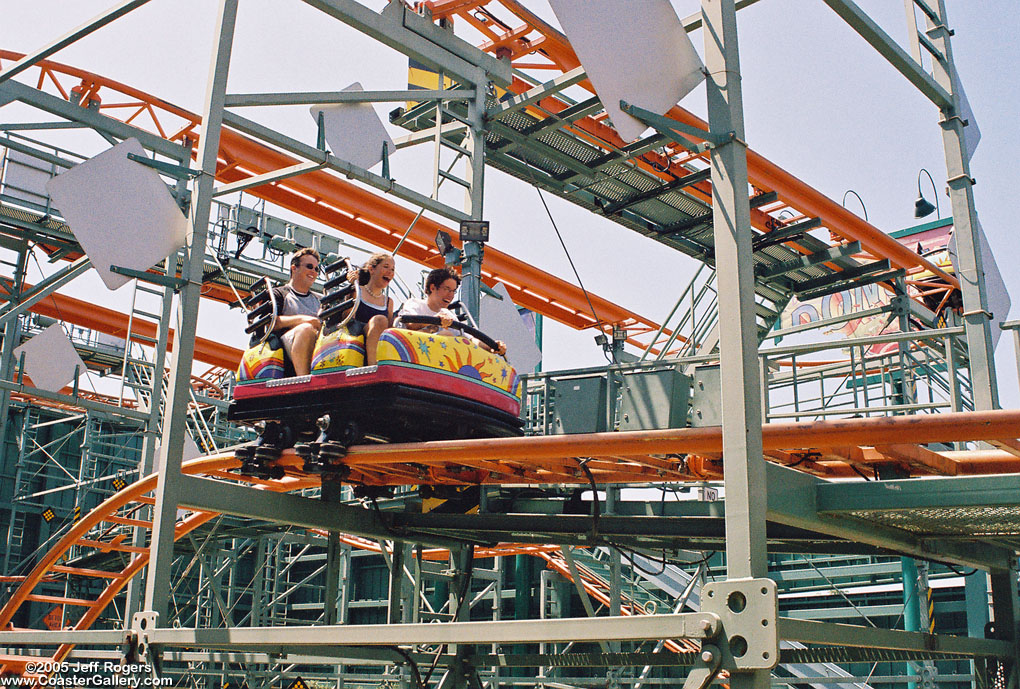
pixel 366 311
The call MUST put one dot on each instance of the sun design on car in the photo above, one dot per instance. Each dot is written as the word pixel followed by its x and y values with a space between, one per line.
pixel 465 365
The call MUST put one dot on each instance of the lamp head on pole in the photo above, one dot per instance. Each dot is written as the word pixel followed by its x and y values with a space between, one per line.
pixel 922 207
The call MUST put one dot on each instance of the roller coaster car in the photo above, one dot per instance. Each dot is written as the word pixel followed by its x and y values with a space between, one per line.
pixel 424 386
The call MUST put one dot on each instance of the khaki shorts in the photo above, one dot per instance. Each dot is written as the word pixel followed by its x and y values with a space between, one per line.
pixel 287 339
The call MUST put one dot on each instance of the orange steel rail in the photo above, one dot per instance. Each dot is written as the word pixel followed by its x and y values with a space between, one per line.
pixel 827 448
pixel 329 199
pixel 108 516
pixel 110 322
pixel 362 213
pixel 533 37
pixel 325 197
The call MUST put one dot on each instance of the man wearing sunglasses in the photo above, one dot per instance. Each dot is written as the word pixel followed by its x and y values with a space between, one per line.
pixel 297 322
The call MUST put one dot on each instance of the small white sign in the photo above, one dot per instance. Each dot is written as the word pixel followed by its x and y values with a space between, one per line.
pixel 500 320
pixel 354 131
pixel 707 494
pixel 996 293
pixel 636 51
pixel 120 211
pixel 971 131
pixel 50 359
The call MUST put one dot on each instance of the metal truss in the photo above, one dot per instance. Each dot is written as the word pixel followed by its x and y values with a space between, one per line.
pixel 202 617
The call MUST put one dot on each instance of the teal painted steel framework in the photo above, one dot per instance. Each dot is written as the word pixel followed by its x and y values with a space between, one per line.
pixel 276 603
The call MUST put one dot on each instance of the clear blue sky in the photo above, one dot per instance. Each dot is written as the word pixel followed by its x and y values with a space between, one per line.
pixel 818 101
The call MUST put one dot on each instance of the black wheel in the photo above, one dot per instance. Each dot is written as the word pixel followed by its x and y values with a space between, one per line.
pixel 262 462
pixel 350 435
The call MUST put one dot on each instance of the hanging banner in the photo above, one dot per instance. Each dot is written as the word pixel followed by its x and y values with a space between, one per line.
pixel 843 303
pixel 931 241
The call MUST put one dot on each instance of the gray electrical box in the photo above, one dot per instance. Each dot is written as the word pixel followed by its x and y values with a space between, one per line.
pixel 579 404
pixel 654 399
pixel 706 399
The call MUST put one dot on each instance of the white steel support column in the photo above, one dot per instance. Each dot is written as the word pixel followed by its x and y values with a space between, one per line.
pixel 744 465
pixel 174 424
pixel 741 397
pixel 150 432
pixel 976 317
pixel 473 201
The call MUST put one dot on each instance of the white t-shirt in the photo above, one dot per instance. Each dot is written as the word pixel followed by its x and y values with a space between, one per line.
pixel 419 307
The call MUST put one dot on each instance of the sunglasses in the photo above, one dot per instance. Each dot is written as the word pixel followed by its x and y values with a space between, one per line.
pixel 310 266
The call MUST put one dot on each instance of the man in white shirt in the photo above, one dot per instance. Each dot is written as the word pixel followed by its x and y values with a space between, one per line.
pixel 440 289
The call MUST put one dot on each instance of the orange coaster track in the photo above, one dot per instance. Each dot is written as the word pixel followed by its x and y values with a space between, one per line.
pixel 530 43
pixel 326 197
pixel 362 213
pixel 827 448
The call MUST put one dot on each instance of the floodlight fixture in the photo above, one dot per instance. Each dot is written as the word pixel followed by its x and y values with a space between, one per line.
pixel 444 242
pixel 923 207
pixel 474 231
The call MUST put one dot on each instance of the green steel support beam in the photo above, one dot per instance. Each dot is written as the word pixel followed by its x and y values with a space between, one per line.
pixel 976 317
pixel 246 100
pixel 827 322
pixel 150 433
pixel 274 176
pixel 406 32
pixel 76 401
pixel 101 123
pixel 911 606
pixel 741 398
pixel 692 625
pixel 534 95
pixel 11 337
pixel 44 288
pixel 310 153
pixel 294 510
pixel 39 126
pixel 1006 611
pixel 860 22
pixel 693 22
pixel 908 494
pixel 855 636
pixel 470 291
pixel 169 489
pixel 676 131
pixel 975 591
pixel 798 499
pixel 832 254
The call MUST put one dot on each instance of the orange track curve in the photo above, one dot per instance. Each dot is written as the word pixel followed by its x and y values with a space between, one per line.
pixel 216 466
pixel 331 200
pixel 827 448
pixel 362 213
pixel 763 174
